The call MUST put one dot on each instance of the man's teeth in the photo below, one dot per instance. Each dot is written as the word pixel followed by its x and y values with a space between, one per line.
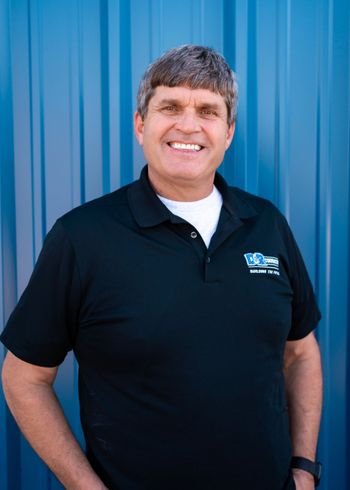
pixel 183 146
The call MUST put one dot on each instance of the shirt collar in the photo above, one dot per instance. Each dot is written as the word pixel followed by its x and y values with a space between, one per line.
pixel 149 211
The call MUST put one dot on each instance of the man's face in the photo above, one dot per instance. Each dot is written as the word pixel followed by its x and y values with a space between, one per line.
pixel 184 134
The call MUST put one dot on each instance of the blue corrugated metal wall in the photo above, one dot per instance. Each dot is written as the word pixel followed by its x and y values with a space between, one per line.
pixel 69 72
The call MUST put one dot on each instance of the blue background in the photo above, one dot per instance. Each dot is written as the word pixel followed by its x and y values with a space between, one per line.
pixel 69 72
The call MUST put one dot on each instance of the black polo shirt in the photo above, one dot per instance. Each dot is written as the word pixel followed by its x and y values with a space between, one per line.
pixel 180 347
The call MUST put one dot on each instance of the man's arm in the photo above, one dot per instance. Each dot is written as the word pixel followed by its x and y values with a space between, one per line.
pixel 303 378
pixel 33 403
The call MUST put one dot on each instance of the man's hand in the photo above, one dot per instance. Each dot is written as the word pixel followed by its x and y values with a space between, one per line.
pixel 303 480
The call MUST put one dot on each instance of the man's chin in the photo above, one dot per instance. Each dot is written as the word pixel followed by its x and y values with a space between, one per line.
pixel 191 174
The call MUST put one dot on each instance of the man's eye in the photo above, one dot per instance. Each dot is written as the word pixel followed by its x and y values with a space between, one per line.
pixel 208 112
pixel 170 108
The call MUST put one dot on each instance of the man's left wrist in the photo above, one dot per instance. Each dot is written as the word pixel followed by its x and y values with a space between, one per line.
pixel 306 469
pixel 305 475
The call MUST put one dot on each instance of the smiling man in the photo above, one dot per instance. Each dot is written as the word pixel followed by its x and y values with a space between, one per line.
pixel 188 308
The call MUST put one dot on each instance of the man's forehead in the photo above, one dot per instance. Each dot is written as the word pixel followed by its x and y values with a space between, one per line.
pixel 186 95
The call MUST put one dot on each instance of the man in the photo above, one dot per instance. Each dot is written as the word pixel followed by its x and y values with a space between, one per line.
pixel 189 310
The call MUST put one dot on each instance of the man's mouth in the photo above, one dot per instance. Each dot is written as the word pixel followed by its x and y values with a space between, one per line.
pixel 185 146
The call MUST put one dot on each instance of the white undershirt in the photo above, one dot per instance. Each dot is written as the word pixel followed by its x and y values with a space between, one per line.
pixel 203 214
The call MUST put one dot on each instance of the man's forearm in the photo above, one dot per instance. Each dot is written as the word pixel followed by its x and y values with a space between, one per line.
pixel 304 393
pixel 41 419
pixel 303 378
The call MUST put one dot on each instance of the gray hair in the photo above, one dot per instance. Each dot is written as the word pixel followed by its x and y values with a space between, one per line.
pixel 194 67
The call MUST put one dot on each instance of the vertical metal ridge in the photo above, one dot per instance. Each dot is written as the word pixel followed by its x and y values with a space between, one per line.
pixel 348 311
pixel 161 30
pixel 202 11
pixel 239 148
pixel 81 101
pixel 156 33
pixel 114 114
pixel 328 201
pixel 252 106
pixel 197 10
pixel 126 168
pixel 13 447
pixel 70 95
pixel 348 350
pixel 36 130
pixel 287 139
pixel 7 177
pixel 105 137
pixel 229 34
pixel 150 28
pixel 277 135
pixel 192 9
pixel 245 140
pixel 30 65
pixel 318 163
pixel 10 434
pixel 42 123
pixel 32 471
pixel 324 283
pixel 327 22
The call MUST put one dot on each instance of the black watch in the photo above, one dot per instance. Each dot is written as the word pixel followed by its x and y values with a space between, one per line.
pixel 312 467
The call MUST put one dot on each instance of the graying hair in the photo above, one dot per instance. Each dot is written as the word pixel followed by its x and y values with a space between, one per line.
pixel 194 67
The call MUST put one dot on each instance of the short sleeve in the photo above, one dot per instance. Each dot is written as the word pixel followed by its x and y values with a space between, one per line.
pixel 305 312
pixel 42 327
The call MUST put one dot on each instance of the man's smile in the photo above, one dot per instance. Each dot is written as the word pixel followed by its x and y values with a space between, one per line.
pixel 185 146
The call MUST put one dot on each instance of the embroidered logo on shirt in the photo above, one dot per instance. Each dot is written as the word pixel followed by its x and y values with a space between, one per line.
pixel 262 264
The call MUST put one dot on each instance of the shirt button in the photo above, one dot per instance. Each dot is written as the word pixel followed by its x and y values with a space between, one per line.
pixel 193 234
pixel 208 260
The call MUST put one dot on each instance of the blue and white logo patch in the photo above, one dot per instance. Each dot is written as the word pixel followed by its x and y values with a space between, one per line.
pixel 262 264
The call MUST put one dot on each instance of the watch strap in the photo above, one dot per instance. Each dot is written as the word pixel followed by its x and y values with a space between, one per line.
pixel 305 464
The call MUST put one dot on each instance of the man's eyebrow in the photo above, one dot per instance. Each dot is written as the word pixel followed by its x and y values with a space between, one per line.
pixel 209 105
pixel 202 105
pixel 169 102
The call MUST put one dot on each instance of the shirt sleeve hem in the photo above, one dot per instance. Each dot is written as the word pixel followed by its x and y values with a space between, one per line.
pixel 302 334
pixel 27 357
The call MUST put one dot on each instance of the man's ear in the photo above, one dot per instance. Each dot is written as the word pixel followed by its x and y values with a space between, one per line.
pixel 230 133
pixel 138 127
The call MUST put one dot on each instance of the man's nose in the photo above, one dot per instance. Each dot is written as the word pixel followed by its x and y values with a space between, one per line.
pixel 188 122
